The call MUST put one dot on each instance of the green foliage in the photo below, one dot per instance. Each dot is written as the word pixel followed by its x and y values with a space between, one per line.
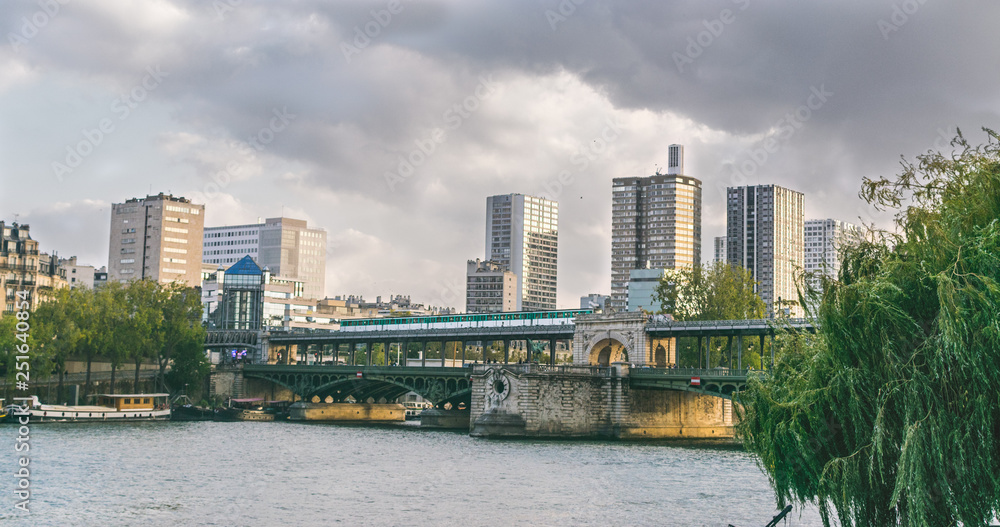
pixel 119 322
pixel 890 414
pixel 717 292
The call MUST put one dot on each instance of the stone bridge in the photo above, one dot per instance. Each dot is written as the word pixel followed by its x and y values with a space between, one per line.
pixel 361 383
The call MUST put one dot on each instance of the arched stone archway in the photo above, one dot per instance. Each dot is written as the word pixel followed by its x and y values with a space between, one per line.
pixel 606 351
pixel 660 356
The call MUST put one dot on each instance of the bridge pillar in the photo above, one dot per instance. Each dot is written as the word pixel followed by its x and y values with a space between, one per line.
pixel 423 353
pixel 506 350
pixel 739 352
pixel 708 353
pixel 552 351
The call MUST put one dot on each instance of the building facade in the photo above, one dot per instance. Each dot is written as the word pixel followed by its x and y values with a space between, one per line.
pixel 595 301
pixel 229 244
pixel 285 246
pixel 764 235
pixel 720 250
pixel 78 275
pixel 642 284
pixel 655 223
pixel 823 239
pixel 26 275
pixel 157 238
pixel 489 287
pixel 522 234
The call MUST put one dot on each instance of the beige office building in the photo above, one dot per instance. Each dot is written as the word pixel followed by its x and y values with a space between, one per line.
pixel 157 237
pixel 291 249
pixel 655 224
pixel 490 287
pixel 285 246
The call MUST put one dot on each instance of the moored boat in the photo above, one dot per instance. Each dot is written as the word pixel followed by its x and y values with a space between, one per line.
pixel 108 407
pixel 182 409
pixel 244 410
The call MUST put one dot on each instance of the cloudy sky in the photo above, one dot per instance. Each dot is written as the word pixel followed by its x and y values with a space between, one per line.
pixel 388 123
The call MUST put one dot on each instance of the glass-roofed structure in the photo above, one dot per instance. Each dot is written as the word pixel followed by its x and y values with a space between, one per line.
pixel 243 295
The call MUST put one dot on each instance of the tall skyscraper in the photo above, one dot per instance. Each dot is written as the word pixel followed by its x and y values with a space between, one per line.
pixel 288 247
pixel 156 237
pixel 823 240
pixel 764 236
pixel 655 224
pixel 522 234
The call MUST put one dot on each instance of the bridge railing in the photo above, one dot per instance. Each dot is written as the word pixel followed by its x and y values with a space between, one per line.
pixel 565 369
pixel 696 372
pixel 796 322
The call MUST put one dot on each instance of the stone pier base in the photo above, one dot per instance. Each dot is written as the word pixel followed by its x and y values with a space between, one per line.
pixel 347 412
pixel 567 402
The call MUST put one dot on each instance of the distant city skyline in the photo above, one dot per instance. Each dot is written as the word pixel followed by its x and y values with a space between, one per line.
pixel 258 112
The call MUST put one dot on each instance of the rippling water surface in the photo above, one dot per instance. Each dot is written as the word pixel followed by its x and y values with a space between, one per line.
pixel 180 474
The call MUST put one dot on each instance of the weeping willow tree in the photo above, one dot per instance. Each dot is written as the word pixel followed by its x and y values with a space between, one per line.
pixel 890 414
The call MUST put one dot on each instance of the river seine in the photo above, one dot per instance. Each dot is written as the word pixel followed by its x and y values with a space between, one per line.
pixel 269 474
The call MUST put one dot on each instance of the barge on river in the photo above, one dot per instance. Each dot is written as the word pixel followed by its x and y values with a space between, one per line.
pixel 108 407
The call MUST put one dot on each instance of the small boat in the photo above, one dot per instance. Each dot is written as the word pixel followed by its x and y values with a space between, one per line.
pixel 413 409
pixel 182 409
pixel 108 407
pixel 244 410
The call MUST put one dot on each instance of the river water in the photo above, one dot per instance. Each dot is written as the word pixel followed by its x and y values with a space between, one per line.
pixel 269 474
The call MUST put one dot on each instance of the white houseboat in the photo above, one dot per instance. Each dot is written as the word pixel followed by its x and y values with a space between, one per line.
pixel 125 407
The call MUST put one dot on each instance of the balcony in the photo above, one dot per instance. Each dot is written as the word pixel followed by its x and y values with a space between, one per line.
pixel 17 267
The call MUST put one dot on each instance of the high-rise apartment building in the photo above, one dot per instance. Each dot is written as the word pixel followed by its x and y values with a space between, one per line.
pixel 823 240
pixel 287 247
pixel 764 236
pixel 720 249
pixel 156 237
pixel 655 224
pixel 522 234
pixel 489 287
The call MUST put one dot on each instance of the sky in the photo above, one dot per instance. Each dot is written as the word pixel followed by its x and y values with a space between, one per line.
pixel 388 123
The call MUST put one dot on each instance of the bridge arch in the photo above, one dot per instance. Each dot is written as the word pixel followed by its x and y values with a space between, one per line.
pixel 608 347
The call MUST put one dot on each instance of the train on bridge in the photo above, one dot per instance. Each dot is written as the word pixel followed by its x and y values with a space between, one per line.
pixel 483 320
